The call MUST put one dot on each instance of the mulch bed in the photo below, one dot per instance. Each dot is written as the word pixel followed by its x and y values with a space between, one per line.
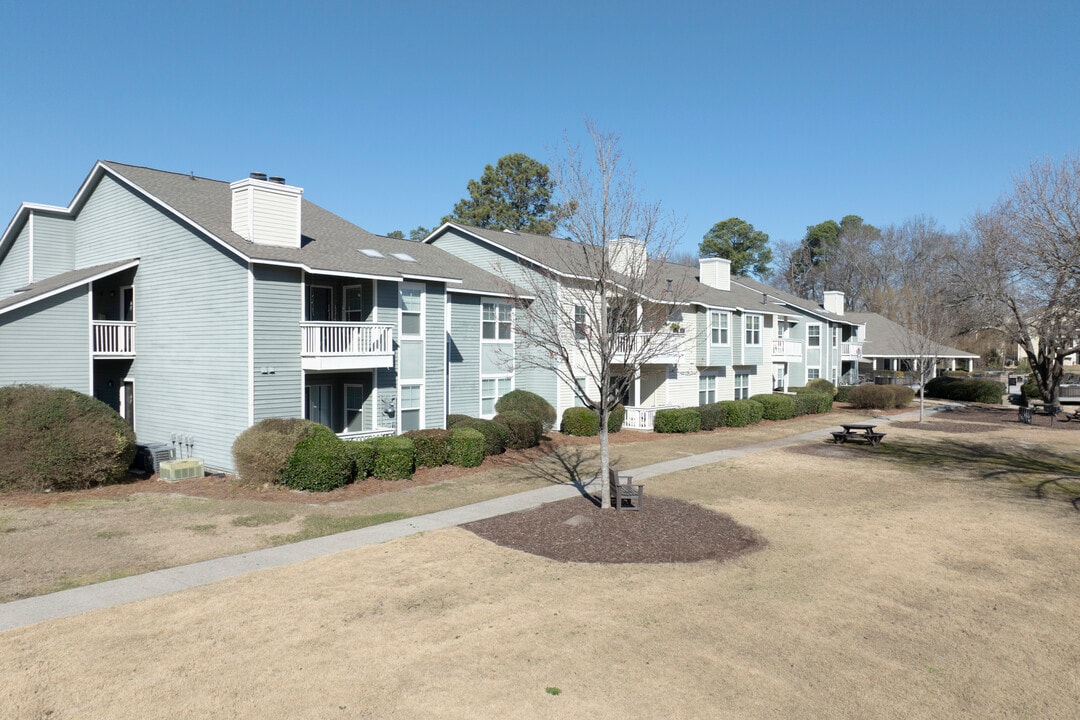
pixel 664 531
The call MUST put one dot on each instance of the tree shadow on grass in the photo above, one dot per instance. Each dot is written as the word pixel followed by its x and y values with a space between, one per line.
pixel 576 465
pixel 1043 471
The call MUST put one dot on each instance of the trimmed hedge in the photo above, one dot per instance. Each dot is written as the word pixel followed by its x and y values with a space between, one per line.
pixel 616 418
pixel 58 439
pixel 679 420
pixel 453 420
pixel 528 404
pixel 881 397
pixel 262 452
pixel 965 389
pixel 465 447
pixel 495 434
pixel 711 416
pixel 319 463
pixel 824 400
pixel 394 458
pixel 777 407
pixel 362 453
pixel 843 393
pixel 522 431
pixel 822 385
pixel 431 446
pixel 731 413
pixel 580 421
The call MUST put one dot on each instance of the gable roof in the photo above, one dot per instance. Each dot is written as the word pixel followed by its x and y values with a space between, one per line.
pixel 794 301
pixel 330 244
pixel 885 338
pixel 62 283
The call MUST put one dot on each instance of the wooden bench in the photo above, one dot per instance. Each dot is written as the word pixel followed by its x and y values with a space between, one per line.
pixel 624 488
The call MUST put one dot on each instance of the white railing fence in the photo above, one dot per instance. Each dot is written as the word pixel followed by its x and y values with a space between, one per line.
pixel 787 348
pixel 365 434
pixel 642 418
pixel 114 337
pixel 338 338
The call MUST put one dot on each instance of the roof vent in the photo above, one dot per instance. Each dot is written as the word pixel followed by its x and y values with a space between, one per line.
pixel 257 176
pixel 508 230
pixel 372 253
pixel 277 179
pixel 404 256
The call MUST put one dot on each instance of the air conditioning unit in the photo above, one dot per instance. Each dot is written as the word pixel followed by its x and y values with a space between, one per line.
pixel 173 470
pixel 149 456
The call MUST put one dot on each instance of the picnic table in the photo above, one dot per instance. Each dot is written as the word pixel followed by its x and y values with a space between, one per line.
pixel 858 431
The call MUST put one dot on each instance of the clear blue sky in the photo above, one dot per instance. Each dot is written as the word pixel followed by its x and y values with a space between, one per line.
pixel 781 113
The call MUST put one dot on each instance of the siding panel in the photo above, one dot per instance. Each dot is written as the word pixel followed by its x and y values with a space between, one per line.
pixel 48 342
pixel 278 309
pixel 15 266
pixel 54 245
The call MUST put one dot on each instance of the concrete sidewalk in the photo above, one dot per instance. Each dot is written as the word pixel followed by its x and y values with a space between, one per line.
pixel 20 613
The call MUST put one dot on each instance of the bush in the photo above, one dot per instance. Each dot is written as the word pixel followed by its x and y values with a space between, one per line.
pixel 58 439
pixel 616 418
pixel 431 446
pixel 495 435
pixel 680 420
pixel 580 421
pixel 466 447
pixel 777 407
pixel 824 401
pixel 319 463
pixel 739 413
pixel 395 458
pixel 453 420
pixel 966 390
pixel 881 397
pixel 522 431
pixel 1030 391
pixel 362 453
pixel 807 403
pixel 263 450
pixel 528 404
pixel 822 385
pixel 843 392
pixel 712 416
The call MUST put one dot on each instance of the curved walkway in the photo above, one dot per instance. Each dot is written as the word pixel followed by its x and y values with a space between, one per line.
pixel 30 611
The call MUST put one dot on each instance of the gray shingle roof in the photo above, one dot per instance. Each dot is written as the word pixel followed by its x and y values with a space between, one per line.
pixel 60 283
pixel 330 243
pixel 884 338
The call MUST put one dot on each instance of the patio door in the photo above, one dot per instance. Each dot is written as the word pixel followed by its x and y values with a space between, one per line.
pixel 320 405
pixel 320 303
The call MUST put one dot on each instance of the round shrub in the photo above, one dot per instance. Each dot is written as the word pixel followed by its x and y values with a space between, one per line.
pixel 881 397
pixel 431 446
pixel 777 407
pixel 263 450
pixel 395 458
pixel 678 420
pixel 319 463
pixel 528 404
pixel 362 453
pixel 616 418
pixel 817 402
pixel 822 385
pixel 495 435
pixel 452 420
pixel 522 431
pixel 580 421
pixel 843 392
pixel 466 447
pixel 711 416
pixel 58 439
pixel 970 390
pixel 902 395
pixel 738 413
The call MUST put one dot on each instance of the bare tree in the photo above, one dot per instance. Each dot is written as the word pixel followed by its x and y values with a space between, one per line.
pixel 602 304
pixel 1023 268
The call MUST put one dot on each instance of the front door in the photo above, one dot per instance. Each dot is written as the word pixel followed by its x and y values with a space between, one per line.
pixel 320 303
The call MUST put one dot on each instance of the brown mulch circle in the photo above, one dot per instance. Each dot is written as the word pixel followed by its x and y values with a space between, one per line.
pixel 664 531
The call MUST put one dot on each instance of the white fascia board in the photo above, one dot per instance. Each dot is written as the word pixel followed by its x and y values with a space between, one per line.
pixel 69 286
pixel 505 249
pixel 318 271
pixel 489 293
pixel 410 277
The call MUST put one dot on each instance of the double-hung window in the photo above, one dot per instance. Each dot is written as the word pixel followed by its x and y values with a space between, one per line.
pixel 412 298
pixel 491 389
pixel 706 389
pixel 718 323
pixel 813 373
pixel 496 320
pixel 581 323
pixel 742 386
pixel 753 329
pixel 835 337
pixel 410 407
pixel 813 336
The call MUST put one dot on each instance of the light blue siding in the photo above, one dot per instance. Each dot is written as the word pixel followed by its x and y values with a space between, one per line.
pixel 15 265
pixel 386 311
pixel 48 342
pixel 277 313
pixel 464 355
pixel 54 245
pixel 434 350
pixel 191 369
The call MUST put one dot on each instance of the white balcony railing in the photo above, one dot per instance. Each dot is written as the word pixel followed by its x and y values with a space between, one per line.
pixel 114 338
pixel 341 345
pixel 365 434
pixel 851 350
pixel 649 348
pixel 642 418
pixel 787 348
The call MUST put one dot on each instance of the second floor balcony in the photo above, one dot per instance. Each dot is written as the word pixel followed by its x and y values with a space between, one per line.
pixel 346 345
pixel 788 349
pixel 657 348
pixel 113 339
pixel 851 351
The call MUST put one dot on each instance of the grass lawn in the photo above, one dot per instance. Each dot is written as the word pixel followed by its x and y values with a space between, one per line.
pixel 921 579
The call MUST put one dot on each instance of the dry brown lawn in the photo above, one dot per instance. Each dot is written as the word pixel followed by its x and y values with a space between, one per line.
pixel 924 581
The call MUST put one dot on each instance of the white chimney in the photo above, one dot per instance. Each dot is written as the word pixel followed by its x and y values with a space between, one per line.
pixel 266 212
pixel 834 302
pixel 715 272
pixel 627 255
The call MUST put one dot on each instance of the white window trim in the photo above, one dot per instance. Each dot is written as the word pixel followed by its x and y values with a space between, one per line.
pixel 704 378
pixel 747 330
pixel 345 403
pixel 496 378
pixel 345 303
pixel 497 303
pixel 808 369
pixel 738 388
pixel 835 337
pixel 401 309
pixel 401 409
pixel 809 327
pixel 720 329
